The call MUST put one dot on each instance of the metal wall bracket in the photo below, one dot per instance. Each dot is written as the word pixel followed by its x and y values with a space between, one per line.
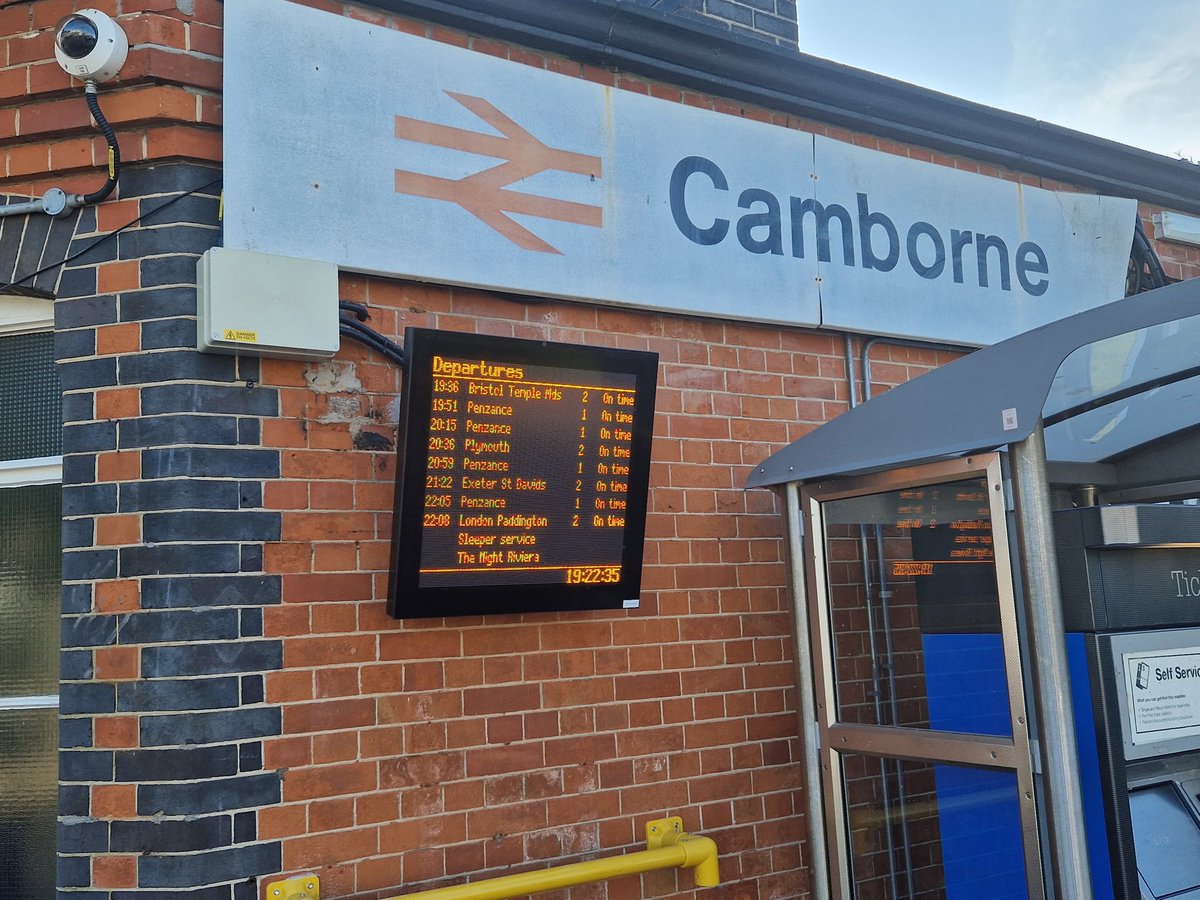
pixel 663 832
pixel 307 887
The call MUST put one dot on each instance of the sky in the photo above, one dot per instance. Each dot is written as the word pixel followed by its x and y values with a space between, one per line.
pixel 1128 71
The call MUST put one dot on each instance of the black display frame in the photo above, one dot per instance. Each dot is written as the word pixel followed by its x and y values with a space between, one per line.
pixel 408 597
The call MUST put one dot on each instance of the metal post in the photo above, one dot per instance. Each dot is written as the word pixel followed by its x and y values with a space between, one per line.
pixel 806 697
pixel 1051 680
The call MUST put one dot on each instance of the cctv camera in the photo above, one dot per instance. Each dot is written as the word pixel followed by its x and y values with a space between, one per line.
pixel 90 45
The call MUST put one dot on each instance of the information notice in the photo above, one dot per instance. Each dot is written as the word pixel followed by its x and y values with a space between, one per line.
pixel 528 472
pixel 525 474
pixel 1163 688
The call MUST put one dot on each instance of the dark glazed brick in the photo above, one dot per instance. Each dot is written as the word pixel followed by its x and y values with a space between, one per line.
pixel 74 733
pixel 212 659
pixel 179 558
pixel 176 626
pixel 219 865
pixel 209 398
pixel 80 468
pixel 164 270
pixel 76 598
pixel 252 690
pixel 176 365
pixel 90 438
pixel 167 334
pixel 85 765
pixel 251 625
pixel 184 592
pixel 249 432
pixel 86 222
pixel 91 251
pixel 209 728
pixel 730 12
pixel 77 283
pixel 203 462
pixel 250 757
pixel 89 631
pixel 69 344
pixel 781 28
pixel 159 431
pixel 75 665
pixel 159 303
pixel 209 796
pixel 196 209
pixel 186 694
pixel 89 565
pixel 169 178
pixel 173 238
pixel 169 836
pixel 174 765
pixel 220 892
pixel 163 527
pixel 250 495
pixel 252 558
pixel 77 533
pixel 74 799
pixel 78 407
pixel 73 871
pixel 245 827
pixel 185 493
pixel 88 500
pixel 91 373
pixel 82 837
pixel 75 698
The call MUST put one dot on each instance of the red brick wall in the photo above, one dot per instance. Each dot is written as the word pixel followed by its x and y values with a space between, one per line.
pixel 421 750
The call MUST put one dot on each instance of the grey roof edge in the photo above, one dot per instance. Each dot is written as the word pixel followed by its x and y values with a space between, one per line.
pixel 960 408
pixel 627 36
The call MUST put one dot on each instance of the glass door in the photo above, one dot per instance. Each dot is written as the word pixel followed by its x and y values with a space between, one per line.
pixel 925 755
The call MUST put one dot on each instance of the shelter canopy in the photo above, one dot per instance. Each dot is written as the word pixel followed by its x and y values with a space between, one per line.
pixel 1116 386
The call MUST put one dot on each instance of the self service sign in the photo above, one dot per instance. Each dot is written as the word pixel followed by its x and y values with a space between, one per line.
pixel 388 153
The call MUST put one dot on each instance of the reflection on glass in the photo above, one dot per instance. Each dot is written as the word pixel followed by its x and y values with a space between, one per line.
pixel 1165 840
pixel 30 573
pixel 28 798
pixel 925 831
pixel 915 609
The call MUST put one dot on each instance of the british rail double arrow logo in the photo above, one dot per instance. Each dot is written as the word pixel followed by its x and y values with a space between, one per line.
pixel 486 194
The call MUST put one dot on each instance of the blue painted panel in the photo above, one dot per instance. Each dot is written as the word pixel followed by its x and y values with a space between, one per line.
pixel 978 810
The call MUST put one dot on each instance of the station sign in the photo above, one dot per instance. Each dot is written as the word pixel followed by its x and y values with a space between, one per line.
pixel 389 153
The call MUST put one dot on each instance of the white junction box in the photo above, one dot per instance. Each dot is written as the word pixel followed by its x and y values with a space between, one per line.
pixel 264 305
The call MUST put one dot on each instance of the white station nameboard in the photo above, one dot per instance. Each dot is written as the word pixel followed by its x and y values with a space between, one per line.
pixel 388 153
pixel 1163 691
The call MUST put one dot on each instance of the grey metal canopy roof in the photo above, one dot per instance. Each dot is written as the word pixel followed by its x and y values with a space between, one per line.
pixel 1117 387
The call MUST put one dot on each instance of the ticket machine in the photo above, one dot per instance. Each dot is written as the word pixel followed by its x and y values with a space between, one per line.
pixel 1130 578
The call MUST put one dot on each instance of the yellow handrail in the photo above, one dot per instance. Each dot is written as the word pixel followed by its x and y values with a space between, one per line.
pixel 667 847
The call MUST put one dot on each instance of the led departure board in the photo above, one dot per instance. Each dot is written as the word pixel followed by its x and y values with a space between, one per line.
pixel 522 478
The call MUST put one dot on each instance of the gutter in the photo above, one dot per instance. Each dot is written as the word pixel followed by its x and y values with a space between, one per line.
pixel 626 36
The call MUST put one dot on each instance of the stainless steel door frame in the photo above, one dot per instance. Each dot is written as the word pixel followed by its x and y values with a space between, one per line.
pixel 837 738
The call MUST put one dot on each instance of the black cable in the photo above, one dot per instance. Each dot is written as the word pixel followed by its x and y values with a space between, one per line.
pixel 112 234
pixel 360 311
pixel 114 149
pixel 372 338
pixel 1158 276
